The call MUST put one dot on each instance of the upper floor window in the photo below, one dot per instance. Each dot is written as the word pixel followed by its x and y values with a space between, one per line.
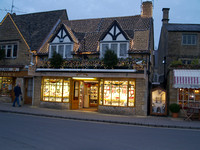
pixel 189 39
pixel 10 50
pixel 120 49
pixel 64 50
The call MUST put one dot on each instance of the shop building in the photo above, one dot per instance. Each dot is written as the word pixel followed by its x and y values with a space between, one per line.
pixel 20 37
pixel 83 81
pixel 178 62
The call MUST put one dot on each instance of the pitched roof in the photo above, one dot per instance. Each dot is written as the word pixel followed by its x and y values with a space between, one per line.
pixel 89 31
pixel 183 27
pixel 35 27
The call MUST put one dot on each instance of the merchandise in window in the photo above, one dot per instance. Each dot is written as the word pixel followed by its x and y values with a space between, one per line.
pixel 6 86
pixel 116 93
pixel 56 90
pixel 186 96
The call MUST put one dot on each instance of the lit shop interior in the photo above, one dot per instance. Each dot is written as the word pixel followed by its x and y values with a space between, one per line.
pixel 89 92
pixel 6 86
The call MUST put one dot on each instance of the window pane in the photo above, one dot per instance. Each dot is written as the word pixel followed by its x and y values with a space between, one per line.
pixel 68 53
pixel 15 51
pixel 123 93
pixel 107 93
pixel 115 93
pixel 104 48
pixel 53 49
pixel 61 50
pixel 8 52
pixel 6 86
pixel 114 48
pixel 189 39
pixel 123 50
pixel 66 90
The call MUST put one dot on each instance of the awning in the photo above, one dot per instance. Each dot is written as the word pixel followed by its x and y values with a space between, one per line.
pixel 186 78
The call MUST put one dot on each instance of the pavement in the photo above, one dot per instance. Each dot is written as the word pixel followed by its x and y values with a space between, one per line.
pixel 148 121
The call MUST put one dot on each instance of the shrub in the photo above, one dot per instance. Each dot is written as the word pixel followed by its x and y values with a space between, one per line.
pixel 174 108
pixel 195 62
pixel 176 63
pixel 56 61
pixel 110 59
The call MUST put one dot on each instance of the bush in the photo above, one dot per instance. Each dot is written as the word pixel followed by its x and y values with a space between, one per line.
pixel 174 108
pixel 195 62
pixel 176 63
pixel 56 61
pixel 110 59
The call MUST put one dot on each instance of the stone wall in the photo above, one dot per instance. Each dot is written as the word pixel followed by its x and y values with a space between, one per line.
pixel 116 110
pixel 37 81
pixel 55 105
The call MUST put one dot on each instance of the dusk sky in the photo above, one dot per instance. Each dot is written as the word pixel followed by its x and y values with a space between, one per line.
pixel 181 11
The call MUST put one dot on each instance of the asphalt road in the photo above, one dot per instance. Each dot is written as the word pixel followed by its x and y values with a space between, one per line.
pixel 22 132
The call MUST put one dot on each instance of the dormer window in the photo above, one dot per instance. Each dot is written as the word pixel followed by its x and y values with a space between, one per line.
pixel 62 44
pixel 116 40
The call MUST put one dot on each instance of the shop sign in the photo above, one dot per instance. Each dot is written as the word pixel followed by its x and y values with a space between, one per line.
pixel 9 69
pixel 81 74
pixel 7 74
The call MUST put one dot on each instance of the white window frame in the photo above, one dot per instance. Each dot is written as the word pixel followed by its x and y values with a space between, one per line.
pixel 57 45
pixel 187 39
pixel 118 48
pixel 12 50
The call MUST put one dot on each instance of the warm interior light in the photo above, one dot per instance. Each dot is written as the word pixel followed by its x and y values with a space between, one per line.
pixel 80 78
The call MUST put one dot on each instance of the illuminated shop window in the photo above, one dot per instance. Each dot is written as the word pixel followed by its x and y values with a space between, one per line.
pixel 188 95
pixel 6 86
pixel 56 90
pixel 116 93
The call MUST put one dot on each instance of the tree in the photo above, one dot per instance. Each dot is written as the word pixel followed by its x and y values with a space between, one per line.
pixel 56 61
pixel 110 59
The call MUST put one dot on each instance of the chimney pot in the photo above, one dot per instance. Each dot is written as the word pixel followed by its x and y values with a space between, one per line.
pixel 165 19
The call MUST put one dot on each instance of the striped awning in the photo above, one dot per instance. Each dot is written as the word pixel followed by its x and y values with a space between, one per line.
pixel 186 78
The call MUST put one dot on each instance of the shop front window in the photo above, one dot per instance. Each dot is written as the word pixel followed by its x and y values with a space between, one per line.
pixel 6 86
pixel 56 90
pixel 116 93
pixel 188 95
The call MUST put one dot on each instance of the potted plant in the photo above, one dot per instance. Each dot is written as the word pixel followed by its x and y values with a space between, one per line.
pixel 174 108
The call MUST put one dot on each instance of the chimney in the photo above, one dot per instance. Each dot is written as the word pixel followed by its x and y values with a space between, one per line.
pixel 147 9
pixel 165 19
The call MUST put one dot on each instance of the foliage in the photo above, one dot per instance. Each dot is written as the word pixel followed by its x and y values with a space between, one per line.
pixel 195 62
pixel 176 63
pixel 56 61
pixel 110 59
pixel 2 54
pixel 174 108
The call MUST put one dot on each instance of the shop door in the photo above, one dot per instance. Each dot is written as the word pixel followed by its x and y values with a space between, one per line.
pixel 75 96
pixel 28 91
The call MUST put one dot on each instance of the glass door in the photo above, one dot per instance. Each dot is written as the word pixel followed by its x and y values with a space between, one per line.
pixel 75 97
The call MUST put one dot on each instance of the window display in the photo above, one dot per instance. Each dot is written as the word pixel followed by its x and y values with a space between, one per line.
pixel 6 86
pixel 188 95
pixel 56 90
pixel 115 93
pixel 93 95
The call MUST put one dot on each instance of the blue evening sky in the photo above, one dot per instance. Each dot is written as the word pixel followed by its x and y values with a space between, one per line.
pixel 181 11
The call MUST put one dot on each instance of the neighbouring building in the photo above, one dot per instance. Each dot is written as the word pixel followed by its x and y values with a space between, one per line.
pixel 20 37
pixel 178 63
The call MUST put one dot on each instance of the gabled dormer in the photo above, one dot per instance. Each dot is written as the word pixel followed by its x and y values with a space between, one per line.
pixel 115 39
pixel 62 42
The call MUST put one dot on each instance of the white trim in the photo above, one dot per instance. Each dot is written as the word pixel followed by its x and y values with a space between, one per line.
pixel 118 48
pixel 87 70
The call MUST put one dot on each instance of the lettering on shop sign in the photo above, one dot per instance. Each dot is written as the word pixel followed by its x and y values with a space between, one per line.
pixel 81 74
pixel 9 69
pixel 7 74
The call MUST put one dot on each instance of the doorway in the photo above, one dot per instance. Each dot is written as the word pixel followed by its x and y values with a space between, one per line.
pixel 28 91
pixel 85 95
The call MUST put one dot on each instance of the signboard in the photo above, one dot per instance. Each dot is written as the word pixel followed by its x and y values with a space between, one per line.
pixel 9 69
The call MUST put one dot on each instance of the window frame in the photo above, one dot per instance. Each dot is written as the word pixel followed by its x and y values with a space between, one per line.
pixel 12 50
pixel 64 49
pixel 187 37
pixel 119 43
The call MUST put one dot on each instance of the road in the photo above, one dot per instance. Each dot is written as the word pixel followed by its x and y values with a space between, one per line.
pixel 23 132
